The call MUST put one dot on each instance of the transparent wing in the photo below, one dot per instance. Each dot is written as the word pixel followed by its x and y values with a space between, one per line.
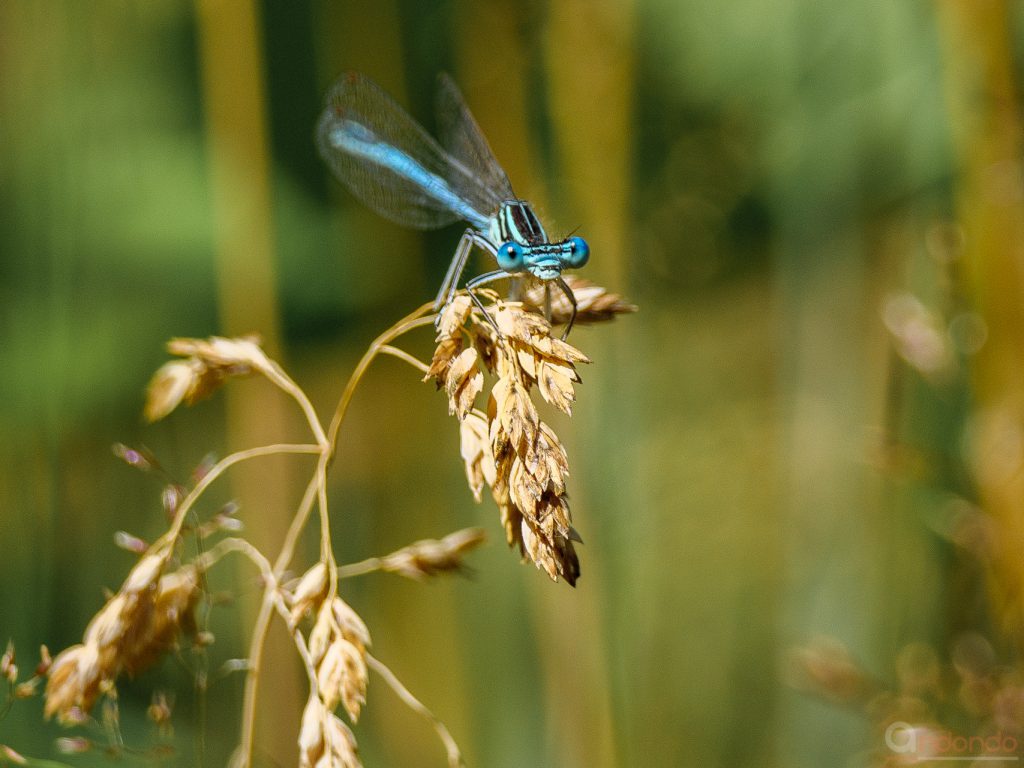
pixel 462 137
pixel 391 163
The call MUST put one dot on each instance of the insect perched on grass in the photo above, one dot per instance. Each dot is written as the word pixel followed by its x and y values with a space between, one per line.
pixel 394 166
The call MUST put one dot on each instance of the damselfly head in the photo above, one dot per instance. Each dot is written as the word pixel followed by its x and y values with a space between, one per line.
pixel 544 260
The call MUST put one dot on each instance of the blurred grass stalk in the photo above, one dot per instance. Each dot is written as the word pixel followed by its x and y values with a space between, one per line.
pixel 985 117
pixel 235 109
pixel 589 105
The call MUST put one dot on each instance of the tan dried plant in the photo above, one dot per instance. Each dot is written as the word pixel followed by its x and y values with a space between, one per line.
pixel 505 445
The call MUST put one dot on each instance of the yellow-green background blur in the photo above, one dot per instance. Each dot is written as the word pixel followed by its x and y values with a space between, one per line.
pixel 817 207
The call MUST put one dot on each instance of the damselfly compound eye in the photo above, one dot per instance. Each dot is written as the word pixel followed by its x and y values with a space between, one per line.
pixel 510 257
pixel 579 253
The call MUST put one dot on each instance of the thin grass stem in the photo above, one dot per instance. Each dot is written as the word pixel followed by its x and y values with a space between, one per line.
pixel 454 754
pixel 401 354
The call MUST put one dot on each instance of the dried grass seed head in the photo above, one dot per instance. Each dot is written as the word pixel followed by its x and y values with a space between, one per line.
pixel 324 740
pixel 342 677
pixel 463 382
pixel 475 447
pixel 453 317
pixel 74 684
pixel 594 304
pixel 137 625
pixel 309 594
pixel 337 649
pixel 208 363
pixel 220 352
pixel 431 557
pixel 172 616
pixel 8 668
pixel 444 353
pixel 509 447
pixel 14 758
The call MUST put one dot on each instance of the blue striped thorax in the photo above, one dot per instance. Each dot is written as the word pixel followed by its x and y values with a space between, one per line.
pixel 516 222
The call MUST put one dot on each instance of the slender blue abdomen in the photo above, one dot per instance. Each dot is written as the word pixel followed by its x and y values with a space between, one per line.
pixel 358 140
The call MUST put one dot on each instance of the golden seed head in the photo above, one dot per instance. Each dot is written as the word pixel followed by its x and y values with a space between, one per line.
pixel 547 539
pixel 309 593
pixel 169 386
pixel 15 758
pixel 8 669
pixel 337 651
pixel 341 744
pixel 351 625
pixel 311 734
pixel 208 363
pixel 220 352
pixel 431 557
pixel 172 614
pixel 330 673
pixel 74 684
pixel 509 447
pixel 135 627
pixel 145 573
pixel 324 740
pixel 27 689
pixel 516 416
pixel 594 304
pixel 324 629
pixel 476 452
pixel 107 626
pixel 444 353
pixel 454 316
pixel 342 677
pixel 463 382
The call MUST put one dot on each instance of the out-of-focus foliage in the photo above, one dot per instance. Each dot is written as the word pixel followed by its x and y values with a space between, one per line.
pixel 806 431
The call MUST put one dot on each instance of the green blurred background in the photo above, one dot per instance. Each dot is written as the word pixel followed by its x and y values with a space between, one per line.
pixel 817 207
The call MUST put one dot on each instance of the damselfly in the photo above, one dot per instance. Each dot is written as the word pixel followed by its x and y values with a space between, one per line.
pixel 394 166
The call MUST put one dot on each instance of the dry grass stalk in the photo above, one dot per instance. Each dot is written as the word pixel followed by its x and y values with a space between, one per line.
pixel 506 447
pixel 423 559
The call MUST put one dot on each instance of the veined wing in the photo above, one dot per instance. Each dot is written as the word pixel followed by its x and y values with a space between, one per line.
pixel 462 137
pixel 391 163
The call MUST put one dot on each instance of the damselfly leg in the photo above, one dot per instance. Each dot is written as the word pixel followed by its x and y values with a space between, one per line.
pixel 490 277
pixel 451 279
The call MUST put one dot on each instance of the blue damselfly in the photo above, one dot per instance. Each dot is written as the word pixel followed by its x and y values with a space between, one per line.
pixel 395 167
